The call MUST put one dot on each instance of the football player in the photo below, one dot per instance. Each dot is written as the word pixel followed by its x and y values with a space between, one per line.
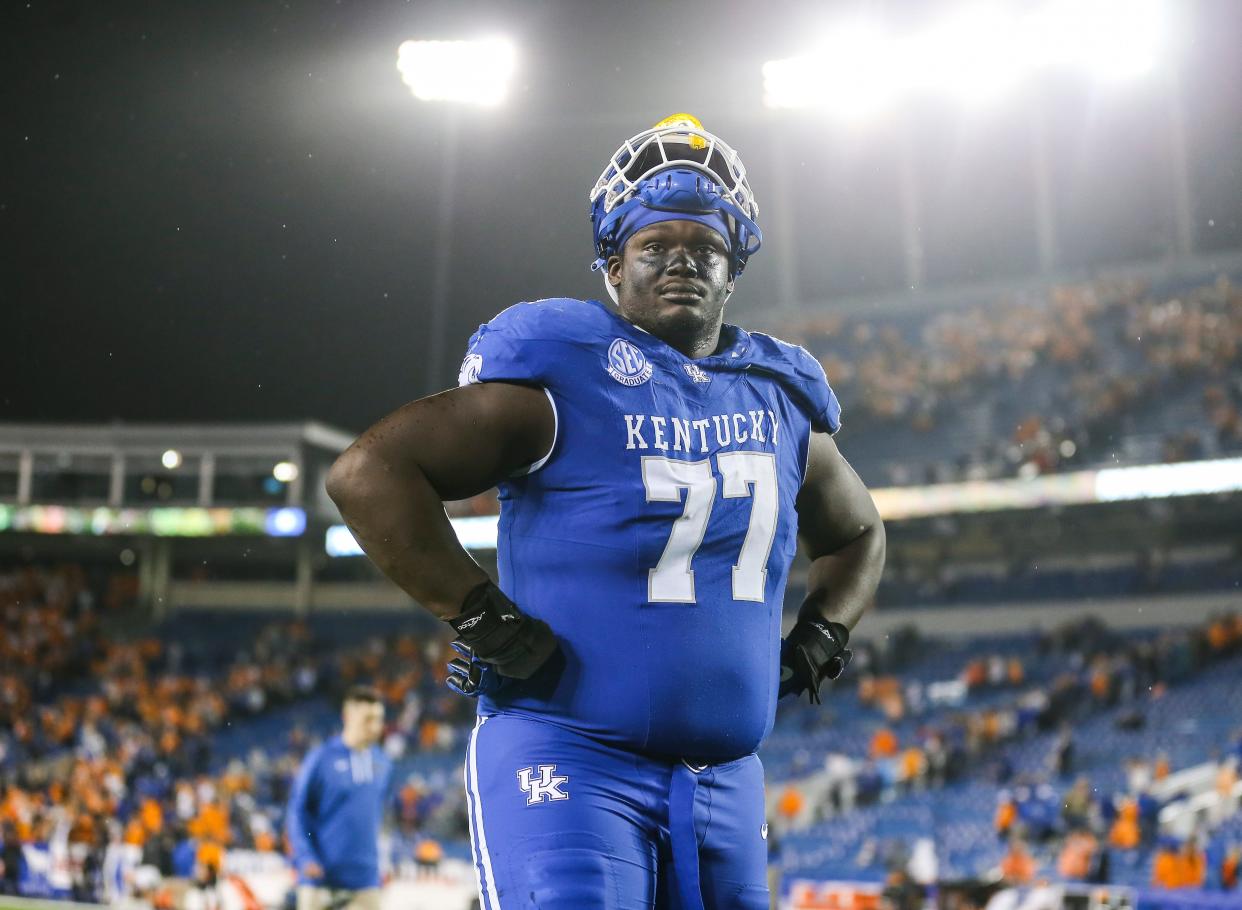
pixel 656 467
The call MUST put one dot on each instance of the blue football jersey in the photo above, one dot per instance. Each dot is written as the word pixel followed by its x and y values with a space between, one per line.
pixel 656 536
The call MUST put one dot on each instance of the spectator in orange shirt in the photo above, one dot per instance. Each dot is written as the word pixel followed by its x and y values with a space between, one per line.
pixel 1192 865
pixel 208 861
pixel 1101 682
pixel 1015 671
pixel 1006 814
pixel 790 804
pixel 135 833
pixel 1179 868
pixel 428 732
pixel 1164 867
pixel 1229 868
pixel 884 743
pixel 913 766
pixel 1018 866
pixel 1074 863
pixel 1220 635
pixel 427 857
pixel 211 823
pixel 975 674
pixel 152 816
pixel 1125 833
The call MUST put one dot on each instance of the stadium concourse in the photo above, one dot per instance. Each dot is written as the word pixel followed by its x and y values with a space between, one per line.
pixel 1046 695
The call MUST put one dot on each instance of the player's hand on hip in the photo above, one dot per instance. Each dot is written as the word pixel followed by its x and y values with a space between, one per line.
pixel 312 871
pixel 470 676
pixel 814 651
pixel 500 635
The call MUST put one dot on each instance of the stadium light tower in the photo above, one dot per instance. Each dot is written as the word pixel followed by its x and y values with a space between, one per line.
pixel 969 56
pixel 1112 40
pixel 850 73
pixel 466 73
pixel 469 72
pixel 973 54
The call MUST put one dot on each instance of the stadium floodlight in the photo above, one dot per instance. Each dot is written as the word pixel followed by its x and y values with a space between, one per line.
pixel 852 73
pixel 974 54
pixel 285 471
pixel 969 56
pixel 1111 39
pixel 171 459
pixel 470 72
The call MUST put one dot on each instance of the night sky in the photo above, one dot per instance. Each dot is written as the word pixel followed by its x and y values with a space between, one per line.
pixel 228 211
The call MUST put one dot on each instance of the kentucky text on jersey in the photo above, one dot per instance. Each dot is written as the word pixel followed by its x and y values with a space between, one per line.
pixel 729 429
pixel 655 537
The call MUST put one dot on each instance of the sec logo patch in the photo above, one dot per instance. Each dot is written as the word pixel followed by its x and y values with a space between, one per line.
pixel 627 364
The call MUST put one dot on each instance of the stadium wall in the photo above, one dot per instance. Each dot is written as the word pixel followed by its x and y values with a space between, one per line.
pixel 1121 614
pixel 279 595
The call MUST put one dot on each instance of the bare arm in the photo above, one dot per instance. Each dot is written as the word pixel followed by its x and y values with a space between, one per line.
pixel 391 483
pixel 843 534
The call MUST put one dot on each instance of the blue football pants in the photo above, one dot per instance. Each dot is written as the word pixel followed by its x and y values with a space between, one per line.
pixel 559 821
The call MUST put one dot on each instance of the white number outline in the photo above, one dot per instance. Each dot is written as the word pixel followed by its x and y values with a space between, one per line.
pixel 746 474
pixel 752 474
pixel 672 579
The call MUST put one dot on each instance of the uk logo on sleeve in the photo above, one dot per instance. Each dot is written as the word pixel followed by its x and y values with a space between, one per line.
pixel 470 368
pixel 627 364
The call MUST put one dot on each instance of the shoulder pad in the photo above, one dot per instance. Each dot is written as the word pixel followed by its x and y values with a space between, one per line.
pixel 524 343
pixel 803 377
pixel 554 319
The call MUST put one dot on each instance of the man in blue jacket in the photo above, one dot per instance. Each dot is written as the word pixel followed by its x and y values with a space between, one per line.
pixel 335 811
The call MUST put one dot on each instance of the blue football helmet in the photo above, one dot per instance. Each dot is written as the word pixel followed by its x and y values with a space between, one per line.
pixel 676 166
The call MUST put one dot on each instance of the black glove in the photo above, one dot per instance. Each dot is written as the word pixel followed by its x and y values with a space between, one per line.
pixel 499 634
pixel 814 651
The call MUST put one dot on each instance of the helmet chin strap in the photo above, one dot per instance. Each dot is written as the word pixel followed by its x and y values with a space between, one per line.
pixel 612 292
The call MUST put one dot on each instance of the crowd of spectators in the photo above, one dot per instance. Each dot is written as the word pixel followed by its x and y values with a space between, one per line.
pixel 118 755
pixel 1080 831
pixel 1052 830
pixel 112 742
pixel 1081 841
pixel 1101 353
pixel 49 638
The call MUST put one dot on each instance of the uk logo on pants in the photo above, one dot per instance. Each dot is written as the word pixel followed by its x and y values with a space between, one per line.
pixel 546 786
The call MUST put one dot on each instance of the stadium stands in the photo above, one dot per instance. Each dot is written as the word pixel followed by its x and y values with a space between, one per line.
pixel 1113 371
pixel 1051 746
pixel 165 746
pixel 181 745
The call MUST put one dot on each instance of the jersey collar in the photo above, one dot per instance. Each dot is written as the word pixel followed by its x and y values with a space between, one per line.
pixel 734 354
